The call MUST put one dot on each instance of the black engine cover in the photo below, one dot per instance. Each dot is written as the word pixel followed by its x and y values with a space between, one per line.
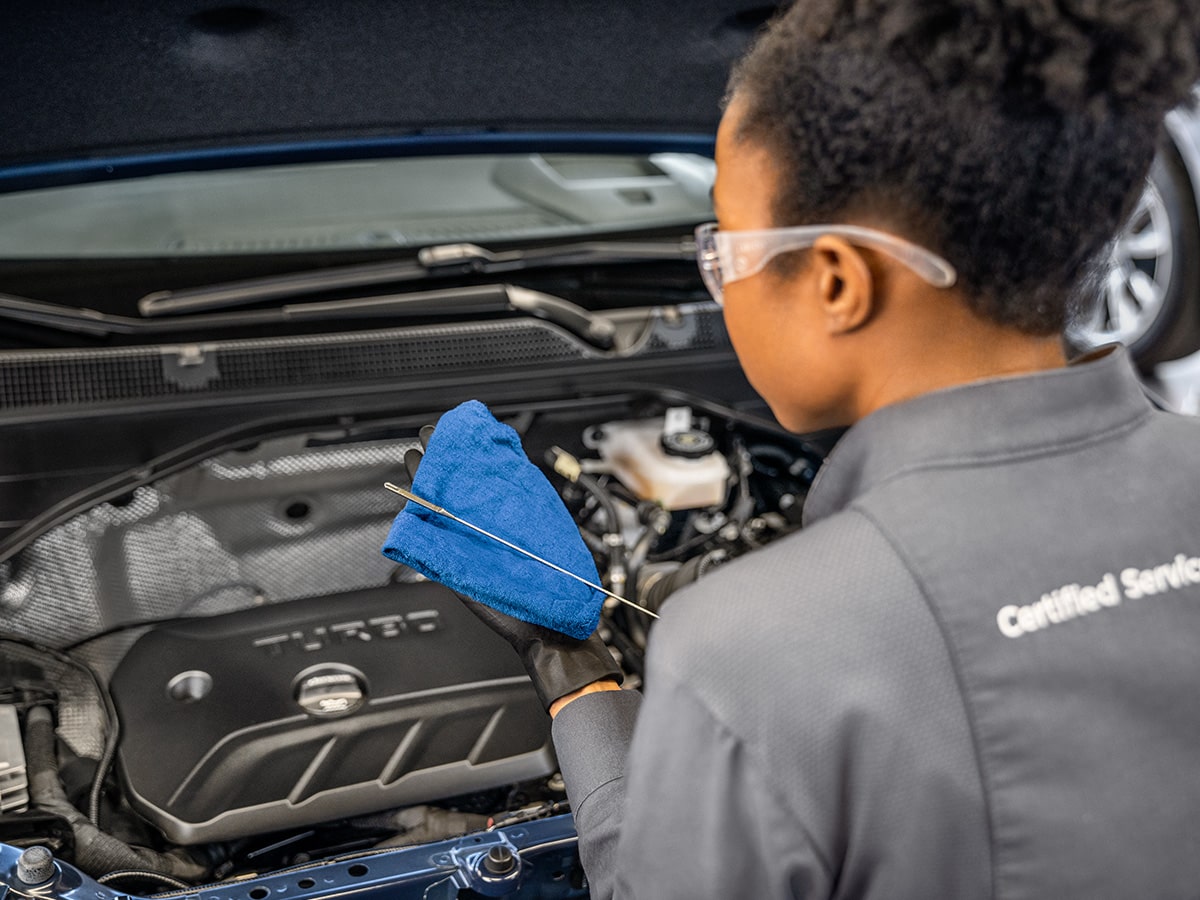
pixel 319 709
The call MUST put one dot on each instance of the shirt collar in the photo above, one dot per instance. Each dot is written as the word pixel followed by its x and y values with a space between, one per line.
pixel 979 421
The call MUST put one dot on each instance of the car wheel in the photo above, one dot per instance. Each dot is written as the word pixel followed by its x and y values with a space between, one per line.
pixel 1148 300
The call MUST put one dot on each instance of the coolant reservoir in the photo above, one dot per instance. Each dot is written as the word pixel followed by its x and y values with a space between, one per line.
pixel 666 460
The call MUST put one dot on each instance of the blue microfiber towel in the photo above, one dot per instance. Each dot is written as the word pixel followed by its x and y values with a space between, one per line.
pixel 476 468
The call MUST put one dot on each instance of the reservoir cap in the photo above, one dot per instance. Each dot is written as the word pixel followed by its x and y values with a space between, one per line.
pixel 692 444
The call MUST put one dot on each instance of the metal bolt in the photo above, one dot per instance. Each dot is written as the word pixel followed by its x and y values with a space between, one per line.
pixel 36 865
pixel 499 861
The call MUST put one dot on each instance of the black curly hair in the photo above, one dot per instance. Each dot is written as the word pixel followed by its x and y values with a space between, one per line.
pixel 1011 136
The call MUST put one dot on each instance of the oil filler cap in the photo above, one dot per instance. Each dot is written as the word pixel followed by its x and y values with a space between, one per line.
pixel 331 691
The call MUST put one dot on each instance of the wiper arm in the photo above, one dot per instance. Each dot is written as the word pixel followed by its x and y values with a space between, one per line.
pixel 441 261
pixel 595 329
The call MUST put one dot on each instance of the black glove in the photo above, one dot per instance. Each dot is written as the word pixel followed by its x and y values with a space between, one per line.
pixel 557 665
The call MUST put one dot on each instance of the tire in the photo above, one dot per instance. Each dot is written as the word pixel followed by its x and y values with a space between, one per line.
pixel 1150 300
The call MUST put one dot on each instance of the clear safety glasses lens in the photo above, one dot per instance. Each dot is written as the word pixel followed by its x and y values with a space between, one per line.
pixel 708 258
pixel 728 256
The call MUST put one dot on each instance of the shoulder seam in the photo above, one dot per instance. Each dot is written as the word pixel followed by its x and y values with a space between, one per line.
pixel 968 710
pixel 1016 455
pixel 980 459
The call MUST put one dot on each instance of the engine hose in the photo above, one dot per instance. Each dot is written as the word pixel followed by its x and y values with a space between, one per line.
pixel 659 520
pixel 568 467
pixel 96 853
pixel 660 586
pixel 613 541
pixel 611 523
pixel 594 541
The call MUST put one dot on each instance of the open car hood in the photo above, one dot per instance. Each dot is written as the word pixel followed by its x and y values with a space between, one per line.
pixel 194 502
pixel 114 81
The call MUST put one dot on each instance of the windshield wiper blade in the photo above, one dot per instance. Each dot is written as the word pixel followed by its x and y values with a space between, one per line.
pixel 442 261
pixel 595 329
pixel 75 320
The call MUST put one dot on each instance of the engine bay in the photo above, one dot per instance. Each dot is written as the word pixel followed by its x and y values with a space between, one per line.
pixel 218 674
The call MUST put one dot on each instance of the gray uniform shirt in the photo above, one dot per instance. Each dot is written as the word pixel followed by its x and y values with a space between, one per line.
pixel 974 673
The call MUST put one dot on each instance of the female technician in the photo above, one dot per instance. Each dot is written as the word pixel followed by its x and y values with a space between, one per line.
pixel 941 686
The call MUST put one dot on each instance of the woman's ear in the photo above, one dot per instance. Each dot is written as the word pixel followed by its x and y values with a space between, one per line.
pixel 844 283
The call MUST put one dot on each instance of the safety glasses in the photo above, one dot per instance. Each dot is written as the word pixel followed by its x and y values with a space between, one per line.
pixel 727 256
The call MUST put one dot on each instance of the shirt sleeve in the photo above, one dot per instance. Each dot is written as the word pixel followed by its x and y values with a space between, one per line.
pixel 674 806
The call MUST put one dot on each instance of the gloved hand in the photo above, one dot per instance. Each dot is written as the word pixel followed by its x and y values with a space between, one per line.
pixel 477 467
pixel 557 664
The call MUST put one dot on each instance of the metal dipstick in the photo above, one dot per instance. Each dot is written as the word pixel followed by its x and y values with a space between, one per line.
pixel 442 511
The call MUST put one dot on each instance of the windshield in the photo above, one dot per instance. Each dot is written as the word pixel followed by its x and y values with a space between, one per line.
pixel 362 205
